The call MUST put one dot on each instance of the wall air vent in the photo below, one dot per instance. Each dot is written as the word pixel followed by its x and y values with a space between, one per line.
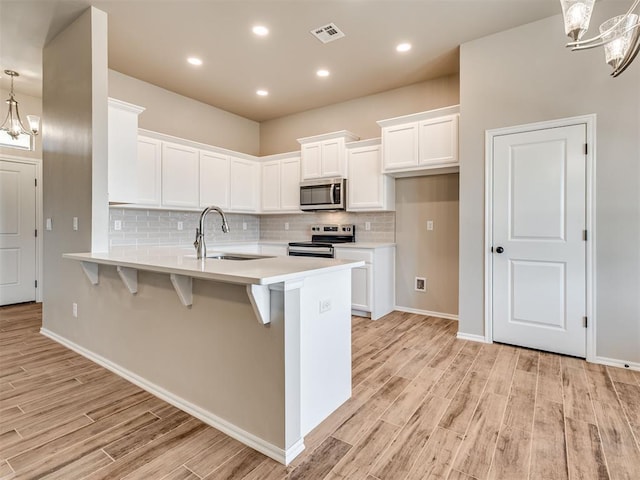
pixel 328 33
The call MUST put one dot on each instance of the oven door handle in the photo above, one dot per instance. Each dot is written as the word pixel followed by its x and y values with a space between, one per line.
pixel 333 193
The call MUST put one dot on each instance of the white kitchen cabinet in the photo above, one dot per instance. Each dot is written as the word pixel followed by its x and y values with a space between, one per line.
pixel 421 144
pixel 281 184
pixel 149 168
pixel 244 185
pixel 122 145
pixel 373 285
pixel 215 179
pixel 324 156
pixel 368 189
pixel 180 176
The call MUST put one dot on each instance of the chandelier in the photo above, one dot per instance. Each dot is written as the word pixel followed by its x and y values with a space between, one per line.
pixel 12 124
pixel 620 36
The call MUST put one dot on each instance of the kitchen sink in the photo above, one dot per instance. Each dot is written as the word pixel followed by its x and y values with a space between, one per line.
pixel 232 256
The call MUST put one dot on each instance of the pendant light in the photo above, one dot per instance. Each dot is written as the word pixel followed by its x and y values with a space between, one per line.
pixel 620 35
pixel 12 124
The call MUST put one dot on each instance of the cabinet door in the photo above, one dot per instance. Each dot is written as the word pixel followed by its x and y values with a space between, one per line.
pixel 290 184
pixel 149 178
pixel 331 159
pixel 400 146
pixel 244 185
pixel 214 179
pixel 361 288
pixel 439 140
pixel 365 189
pixel 311 158
pixel 122 137
pixel 271 186
pixel 180 173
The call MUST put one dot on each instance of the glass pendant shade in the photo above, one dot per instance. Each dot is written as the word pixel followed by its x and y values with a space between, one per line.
pixel 620 38
pixel 34 123
pixel 12 124
pixel 577 14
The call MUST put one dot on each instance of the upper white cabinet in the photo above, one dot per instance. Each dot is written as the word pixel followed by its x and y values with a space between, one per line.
pixel 122 144
pixel 245 185
pixel 421 143
pixel 323 156
pixel 149 166
pixel 281 184
pixel 215 179
pixel 180 176
pixel 368 189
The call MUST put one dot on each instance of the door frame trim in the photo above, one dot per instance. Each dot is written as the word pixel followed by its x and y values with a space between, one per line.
pixel 37 162
pixel 590 125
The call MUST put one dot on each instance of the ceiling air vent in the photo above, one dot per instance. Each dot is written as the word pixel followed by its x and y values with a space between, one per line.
pixel 328 33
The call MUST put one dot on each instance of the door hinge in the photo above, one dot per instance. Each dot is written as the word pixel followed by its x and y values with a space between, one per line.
pixel 36 234
pixel 584 235
pixel 586 149
pixel 36 282
pixel 584 322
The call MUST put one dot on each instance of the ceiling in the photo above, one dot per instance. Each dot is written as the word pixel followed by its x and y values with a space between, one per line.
pixel 151 39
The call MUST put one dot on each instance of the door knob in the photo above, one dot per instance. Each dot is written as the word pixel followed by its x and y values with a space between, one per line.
pixel 499 250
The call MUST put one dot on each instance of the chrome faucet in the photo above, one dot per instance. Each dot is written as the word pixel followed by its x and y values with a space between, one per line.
pixel 201 247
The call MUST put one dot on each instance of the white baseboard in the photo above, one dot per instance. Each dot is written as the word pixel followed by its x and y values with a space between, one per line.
pixel 613 362
pixel 427 313
pixel 471 337
pixel 270 450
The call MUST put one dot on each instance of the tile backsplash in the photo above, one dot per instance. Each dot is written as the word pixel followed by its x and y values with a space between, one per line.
pixel 383 225
pixel 160 227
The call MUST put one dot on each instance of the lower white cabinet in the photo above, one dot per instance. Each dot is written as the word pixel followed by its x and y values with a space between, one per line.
pixel 368 189
pixel 180 176
pixel 245 185
pixel 372 285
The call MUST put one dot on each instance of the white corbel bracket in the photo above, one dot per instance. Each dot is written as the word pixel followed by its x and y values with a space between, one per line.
pixel 129 277
pixel 91 271
pixel 183 285
pixel 260 297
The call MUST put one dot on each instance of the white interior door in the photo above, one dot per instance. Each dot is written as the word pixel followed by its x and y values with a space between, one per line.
pixel 539 249
pixel 17 232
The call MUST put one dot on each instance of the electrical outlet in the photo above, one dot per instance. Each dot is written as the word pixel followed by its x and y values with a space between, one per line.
pixel 286 225
pixel 244 225
pixel 367 225
pixel 421 284
pixel 75 223
pixel 180 225
pixel 74 309
pixel 429 224
pixel 117 225
pixel 325 305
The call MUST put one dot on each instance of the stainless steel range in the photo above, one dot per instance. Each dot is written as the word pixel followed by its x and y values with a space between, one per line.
pixel 322 239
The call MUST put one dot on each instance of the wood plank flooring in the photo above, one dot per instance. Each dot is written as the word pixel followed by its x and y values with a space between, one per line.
pixel 425 405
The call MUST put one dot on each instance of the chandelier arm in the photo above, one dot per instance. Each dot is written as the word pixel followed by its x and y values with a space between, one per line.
pixel 581 44
pixel 629 57
pixel 604 42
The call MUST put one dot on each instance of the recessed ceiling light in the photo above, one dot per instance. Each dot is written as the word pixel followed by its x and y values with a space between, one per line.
pixel 322 73
pixel 194 61
pixel 262 93
pixel 260 30
pixel 403 47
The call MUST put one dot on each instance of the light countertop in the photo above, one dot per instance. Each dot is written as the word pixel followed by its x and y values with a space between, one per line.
pixel 182 261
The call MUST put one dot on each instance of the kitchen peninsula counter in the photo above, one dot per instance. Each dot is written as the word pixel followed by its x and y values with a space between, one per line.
pixel 259 349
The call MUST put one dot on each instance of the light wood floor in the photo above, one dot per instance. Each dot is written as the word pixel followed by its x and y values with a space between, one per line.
pixel 424 405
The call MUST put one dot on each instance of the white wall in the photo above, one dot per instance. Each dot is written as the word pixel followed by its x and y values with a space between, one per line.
pixel 180 116
pixel 526 75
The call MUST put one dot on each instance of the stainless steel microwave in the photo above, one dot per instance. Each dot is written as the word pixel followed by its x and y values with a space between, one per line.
pixel 323 194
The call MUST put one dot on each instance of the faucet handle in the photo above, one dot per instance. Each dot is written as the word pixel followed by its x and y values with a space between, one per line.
pixel 195 244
